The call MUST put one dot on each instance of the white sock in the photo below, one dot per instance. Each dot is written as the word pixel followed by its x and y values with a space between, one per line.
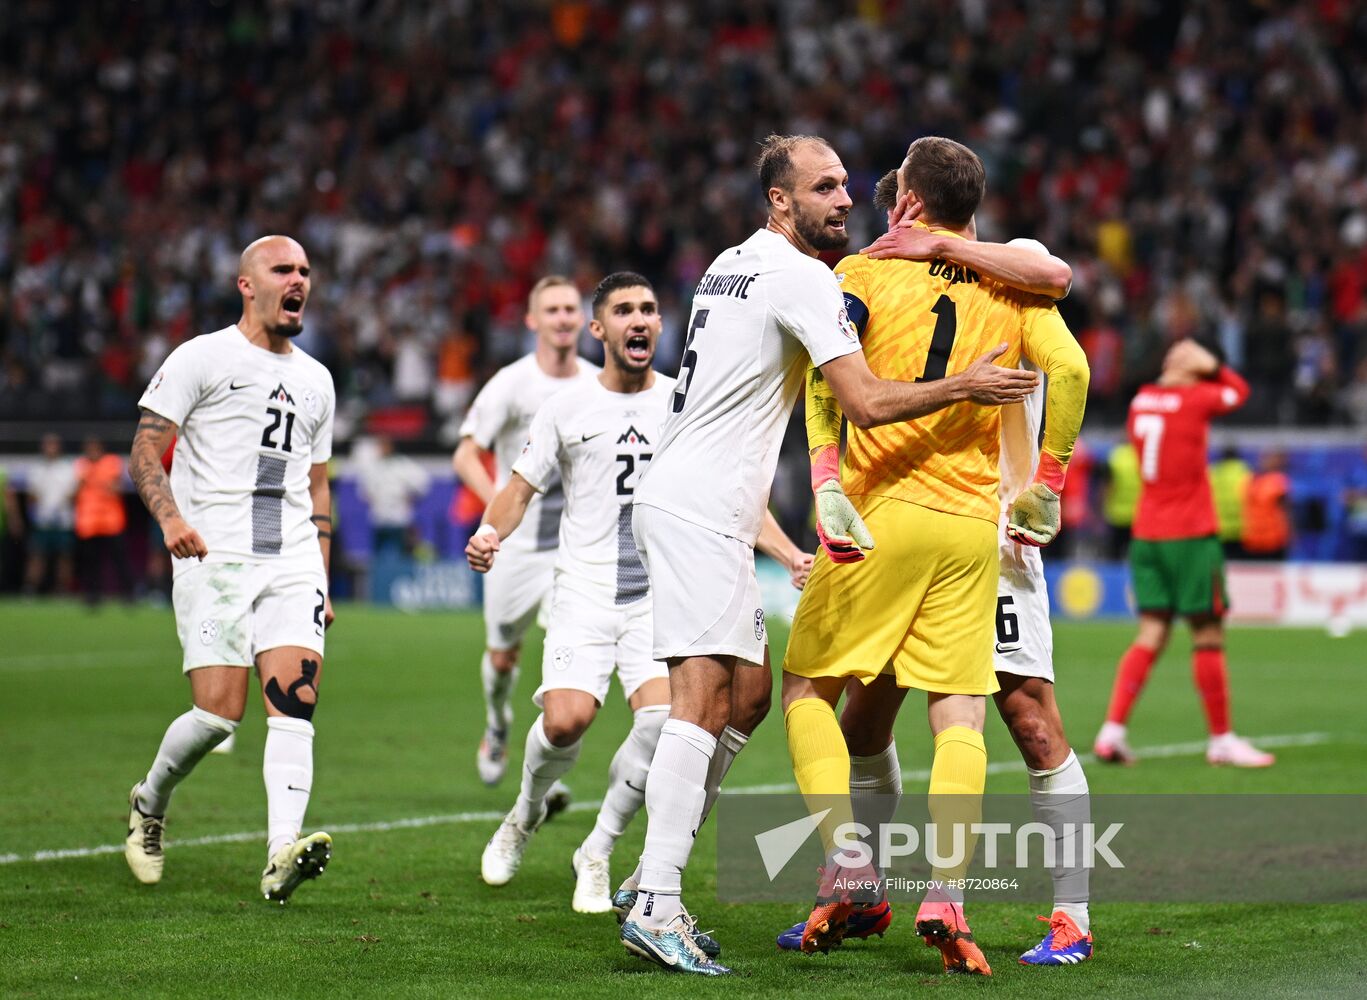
pixel 187 740
pixel 875 790
pixel 1111 732
pixel 675 793
pixel 729 744
pixel 542 764
pixel 287 769
pixel 627 780
pixel 1060 796
pixel 498 684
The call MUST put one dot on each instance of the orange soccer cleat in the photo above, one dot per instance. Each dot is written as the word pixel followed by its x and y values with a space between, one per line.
pixel 943 926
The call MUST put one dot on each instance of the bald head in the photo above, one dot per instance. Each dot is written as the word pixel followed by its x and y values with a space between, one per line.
pixel 273 277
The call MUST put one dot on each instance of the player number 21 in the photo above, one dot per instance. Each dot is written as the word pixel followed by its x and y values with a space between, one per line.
pixel 268 435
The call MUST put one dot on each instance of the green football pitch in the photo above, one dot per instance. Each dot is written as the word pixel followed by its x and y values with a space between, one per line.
pixel 402 912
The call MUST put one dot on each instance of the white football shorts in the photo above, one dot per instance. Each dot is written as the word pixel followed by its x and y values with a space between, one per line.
pixel 516 589
pixel 228 613
pixel 586 642
pixel 1025 639
pixel 703 585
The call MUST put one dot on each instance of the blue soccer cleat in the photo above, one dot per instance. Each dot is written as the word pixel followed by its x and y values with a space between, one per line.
pixel 862 923
pixel 624 899
pixel 674 948
pixel 1065 944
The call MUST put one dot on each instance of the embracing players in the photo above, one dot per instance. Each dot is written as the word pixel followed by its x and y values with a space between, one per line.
pixel 498 420
pixel 762 310
pixel 246 513
pixel 920 613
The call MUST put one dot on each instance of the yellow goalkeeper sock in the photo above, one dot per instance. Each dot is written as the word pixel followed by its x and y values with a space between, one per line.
pixel 957 779
pixel 821 762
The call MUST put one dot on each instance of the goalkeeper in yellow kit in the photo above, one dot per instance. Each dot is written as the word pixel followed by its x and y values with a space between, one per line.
pixel 922 606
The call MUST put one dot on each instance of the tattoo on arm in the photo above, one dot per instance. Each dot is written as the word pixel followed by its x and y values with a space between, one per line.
pixel 144 467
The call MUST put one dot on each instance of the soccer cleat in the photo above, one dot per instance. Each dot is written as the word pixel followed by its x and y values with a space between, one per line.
pixel 943 926
pixel 503 854
pixel 674 947
pixel 295 863
pixel 1065 944
pixel 492 758
pixel 1113 749
pixel 863 922
pixel 1236 752
pixel 591 878
pixel 623 900
pixel 142 847
pixel 558 799
pixel 825 927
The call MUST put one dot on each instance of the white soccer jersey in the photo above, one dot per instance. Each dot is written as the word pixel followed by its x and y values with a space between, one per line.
pixel 252 424
pixel 597 443
pixel 499 420
pixel 759 312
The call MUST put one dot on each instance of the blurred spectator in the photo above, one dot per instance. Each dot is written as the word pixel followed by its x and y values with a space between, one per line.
pixel 1267 509
pixel 1120 497
pixel 390 484
pixel 1229 476
pixel 51 486
pixel 11 528
pixel 101 521
pixel 1355 396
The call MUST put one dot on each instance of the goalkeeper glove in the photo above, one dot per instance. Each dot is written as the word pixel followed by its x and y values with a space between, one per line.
pixel 1035 516
pixel 839 527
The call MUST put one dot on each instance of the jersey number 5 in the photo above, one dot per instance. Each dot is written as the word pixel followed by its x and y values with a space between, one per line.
pixel 689 362
pixel 942 340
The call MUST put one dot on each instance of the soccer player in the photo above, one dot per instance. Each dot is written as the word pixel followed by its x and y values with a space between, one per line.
pixel 1176 563
pixel 760 313
pixel 1023 660
pixel 246 514
pixel 919 613
pixel 498 420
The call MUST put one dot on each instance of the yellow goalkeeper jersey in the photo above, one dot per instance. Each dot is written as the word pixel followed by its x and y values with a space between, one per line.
pixel 923 320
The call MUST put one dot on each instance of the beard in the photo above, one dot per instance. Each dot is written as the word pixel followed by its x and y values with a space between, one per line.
pixel 290 330
pixel 814 231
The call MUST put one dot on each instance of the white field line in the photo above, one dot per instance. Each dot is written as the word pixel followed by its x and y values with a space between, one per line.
pixel 490 816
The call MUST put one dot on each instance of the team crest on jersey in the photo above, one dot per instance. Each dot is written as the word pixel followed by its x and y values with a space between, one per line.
pixel 156 382
pixel 759 624
pixel 563 657
pixel 208 631
pixel 281 395
pixel 310 402
pixel 632 436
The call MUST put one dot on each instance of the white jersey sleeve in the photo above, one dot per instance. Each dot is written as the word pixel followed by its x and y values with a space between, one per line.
pixel 761 310
pixel 539 462
pixel 252 424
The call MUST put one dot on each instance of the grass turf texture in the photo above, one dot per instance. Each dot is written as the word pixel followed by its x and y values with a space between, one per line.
pixel 402 912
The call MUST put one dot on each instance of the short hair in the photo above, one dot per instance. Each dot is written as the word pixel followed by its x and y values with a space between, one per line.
pixel 885 192
pixel 549 281
pixel 948 177
pixel 616 281
pixel 775 162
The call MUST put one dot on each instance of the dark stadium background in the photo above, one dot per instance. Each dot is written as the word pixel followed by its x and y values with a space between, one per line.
pixel 1200 165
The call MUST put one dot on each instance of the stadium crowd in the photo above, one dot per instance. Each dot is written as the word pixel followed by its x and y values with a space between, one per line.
pixel 1201 166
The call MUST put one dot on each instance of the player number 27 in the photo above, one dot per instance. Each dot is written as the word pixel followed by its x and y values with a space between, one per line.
pixel 689 362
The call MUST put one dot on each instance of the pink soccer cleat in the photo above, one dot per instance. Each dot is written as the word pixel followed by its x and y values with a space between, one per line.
pixel 1236 751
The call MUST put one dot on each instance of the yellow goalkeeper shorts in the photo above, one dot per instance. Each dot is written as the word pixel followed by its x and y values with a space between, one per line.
pixel 922 604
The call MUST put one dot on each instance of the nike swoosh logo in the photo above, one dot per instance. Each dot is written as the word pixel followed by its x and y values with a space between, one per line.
pixel 668 958
pixel 631 786
pixel 234 385
pixel 292 788
pixel 590 437
pixel 1007 649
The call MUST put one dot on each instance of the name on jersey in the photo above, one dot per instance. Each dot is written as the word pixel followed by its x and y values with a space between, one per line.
pixel 735 285
pixel 955 274
pixel 1157 402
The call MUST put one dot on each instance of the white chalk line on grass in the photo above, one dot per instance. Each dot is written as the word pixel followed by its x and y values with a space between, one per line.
pixel 489 816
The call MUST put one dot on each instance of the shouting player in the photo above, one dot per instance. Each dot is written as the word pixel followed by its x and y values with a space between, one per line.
pixel 246 514
pixel 498 420
pixel 1176 564
pixel 920 612
pixel 1023 659
pixel 760 313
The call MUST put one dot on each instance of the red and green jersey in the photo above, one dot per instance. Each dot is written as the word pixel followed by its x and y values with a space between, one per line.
pixel 1169 427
